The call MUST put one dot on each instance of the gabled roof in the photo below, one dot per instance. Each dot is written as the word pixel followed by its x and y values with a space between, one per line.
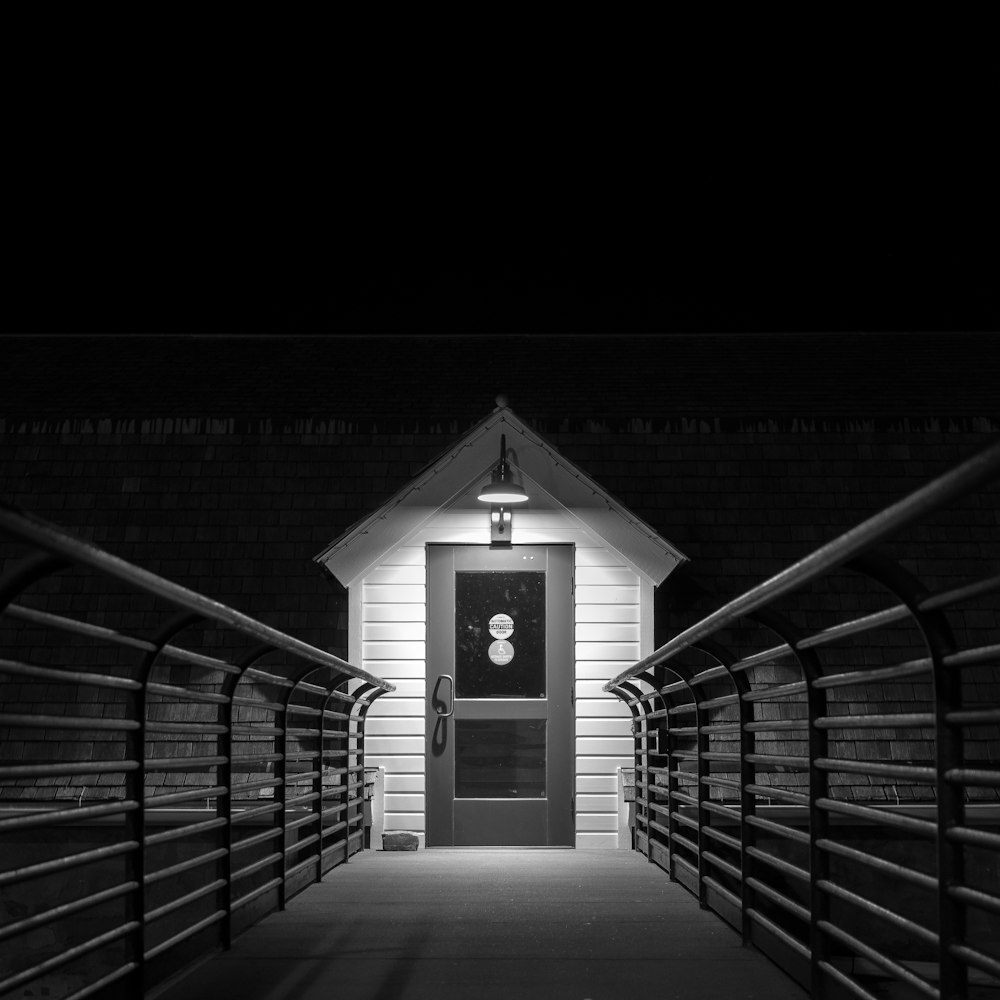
pixel 549 477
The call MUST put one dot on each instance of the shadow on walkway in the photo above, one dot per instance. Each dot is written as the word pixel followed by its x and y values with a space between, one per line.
pixel 488 924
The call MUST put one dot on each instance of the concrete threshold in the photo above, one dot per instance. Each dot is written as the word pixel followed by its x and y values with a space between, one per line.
pixel 490 924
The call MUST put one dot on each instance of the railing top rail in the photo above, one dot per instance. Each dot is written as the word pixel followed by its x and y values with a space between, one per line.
pixel 55 540
pixel 976 471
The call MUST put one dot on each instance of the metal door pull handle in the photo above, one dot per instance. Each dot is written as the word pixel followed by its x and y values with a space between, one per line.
pixel 451 711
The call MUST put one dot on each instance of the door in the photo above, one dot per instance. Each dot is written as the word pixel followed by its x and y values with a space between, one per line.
pixel 500 696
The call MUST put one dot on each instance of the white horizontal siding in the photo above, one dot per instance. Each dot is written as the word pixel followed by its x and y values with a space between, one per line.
pixel 607 595
pixel 395 612
pixel 397 574
pixel 601 631
pixel 608 638
pixel 602 708
pixel 597 803
pixel 404 782
pixel 597 784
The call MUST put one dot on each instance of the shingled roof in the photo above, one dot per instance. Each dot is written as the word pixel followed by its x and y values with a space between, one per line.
pixel 557 382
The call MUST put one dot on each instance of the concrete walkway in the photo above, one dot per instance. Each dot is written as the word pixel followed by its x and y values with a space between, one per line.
pixel 486 925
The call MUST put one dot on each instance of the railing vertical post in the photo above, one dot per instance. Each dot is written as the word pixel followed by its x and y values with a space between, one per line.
pixel 317 786
pixel 819 863
pixel 224 806
pixel 702 794
pixel 281 796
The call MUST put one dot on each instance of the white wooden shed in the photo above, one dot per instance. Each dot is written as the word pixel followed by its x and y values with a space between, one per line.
pixel 616 562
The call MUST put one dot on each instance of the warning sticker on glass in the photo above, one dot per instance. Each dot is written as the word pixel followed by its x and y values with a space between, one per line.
pixel 501 652
pixel 501 626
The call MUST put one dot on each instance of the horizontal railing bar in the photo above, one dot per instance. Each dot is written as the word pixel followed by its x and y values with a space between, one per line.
pixel 777 691
pixel 976 958
pixel 187 694
pixel 717 782
pixel 720 702
pixel 764 656
pixel 867 623
pixel 723 838
pixel 730 869
pixel 788 832
pixel 911 772
pixel 52 539
pixel 769 892
pixel 778 760
pixel 845 980
pixel 782 866
pixel 184 866
pixel 972 657
pixel 900 720
pixel 16 668
pixel 709 675
pixel 160 801
pixel 976 471
pixel 171 652
pixel 67 909
pixel 183 763
pixel 271 706
pixel 257 838
pixel 975 838
pixel 81 767
pixel 722 756
pixel 973 776
pixel 262 810
pixel 882 961
pixel 921 826
pixel 67 722
pixel 268 677
pixel 182 901
pixel 882 912
pixel 252 729
pixel 909 668
pixel 970 591
pixel 879 864
pixel 195 728
pixel 41 868
pixel 95 987
pixel 78 626
pixel 183 935
pixel 975 897
pixel 766 791
pixel 255 893
pixel 178 833
pixel 776 726
pixel 714 728
pixel 256 866
pixel 67 956
pixel 779 932
pixel 973 716
pixel 36 819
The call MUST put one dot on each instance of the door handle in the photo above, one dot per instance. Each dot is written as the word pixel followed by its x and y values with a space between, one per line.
pixel 451 711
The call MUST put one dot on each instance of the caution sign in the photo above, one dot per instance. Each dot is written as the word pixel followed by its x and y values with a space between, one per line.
pixel 501 652
pixel 501 626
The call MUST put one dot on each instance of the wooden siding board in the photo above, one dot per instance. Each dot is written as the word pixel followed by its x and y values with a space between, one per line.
pixel 396 631
pixel 607 631
pixel 607 613
pixel 395 612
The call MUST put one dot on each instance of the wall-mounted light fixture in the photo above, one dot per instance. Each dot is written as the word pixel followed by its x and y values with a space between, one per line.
pixel 500 493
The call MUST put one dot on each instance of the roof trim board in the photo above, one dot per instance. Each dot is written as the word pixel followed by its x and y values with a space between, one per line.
pixel 447 481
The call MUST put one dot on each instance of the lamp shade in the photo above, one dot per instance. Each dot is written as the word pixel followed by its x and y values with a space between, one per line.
pixel 501 490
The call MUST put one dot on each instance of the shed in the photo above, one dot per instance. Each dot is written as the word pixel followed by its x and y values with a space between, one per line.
pixel 510 770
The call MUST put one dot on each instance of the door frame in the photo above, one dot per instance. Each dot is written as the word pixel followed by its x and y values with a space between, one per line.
pixel 559 704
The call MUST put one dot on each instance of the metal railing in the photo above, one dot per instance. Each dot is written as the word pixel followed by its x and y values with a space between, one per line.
pixel 827 780
pixel 156 799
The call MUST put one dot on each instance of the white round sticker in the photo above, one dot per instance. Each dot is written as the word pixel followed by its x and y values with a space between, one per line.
pixel 501 652
pixel 501 626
